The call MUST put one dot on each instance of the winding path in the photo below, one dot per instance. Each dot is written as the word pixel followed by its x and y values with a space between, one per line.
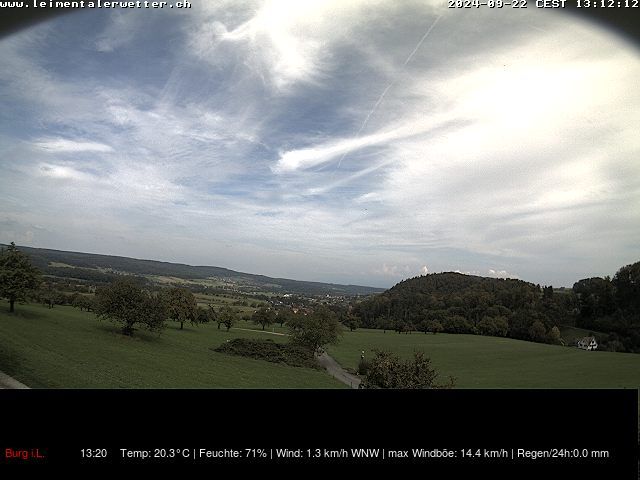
pixel 335 370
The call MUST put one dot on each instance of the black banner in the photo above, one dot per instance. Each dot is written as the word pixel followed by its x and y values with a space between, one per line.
pixel 584 433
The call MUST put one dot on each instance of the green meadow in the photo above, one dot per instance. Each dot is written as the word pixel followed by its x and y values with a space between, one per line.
pixel 492 362
pixel 65 348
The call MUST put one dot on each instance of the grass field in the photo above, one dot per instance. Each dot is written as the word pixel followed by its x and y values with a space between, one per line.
pixel 491 362
pixel 66 348
pixel 275 328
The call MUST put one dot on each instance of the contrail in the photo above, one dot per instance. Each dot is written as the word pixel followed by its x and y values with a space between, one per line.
pixel 366 120
pixel 381 98
pixel 420 42
pixel 375 107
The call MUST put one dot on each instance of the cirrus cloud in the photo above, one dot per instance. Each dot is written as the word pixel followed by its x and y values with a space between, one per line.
pixel 351 142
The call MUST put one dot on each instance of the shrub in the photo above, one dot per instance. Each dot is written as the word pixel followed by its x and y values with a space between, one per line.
pixel 387 370
pixel 268 350
pixel 363 366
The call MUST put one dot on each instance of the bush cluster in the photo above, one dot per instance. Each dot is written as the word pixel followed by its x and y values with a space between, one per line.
pixel 293 355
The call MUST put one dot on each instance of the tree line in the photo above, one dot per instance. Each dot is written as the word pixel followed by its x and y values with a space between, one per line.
pixel 612 305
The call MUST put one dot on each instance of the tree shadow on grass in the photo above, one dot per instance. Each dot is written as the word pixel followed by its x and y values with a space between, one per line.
pixel 186 330
pixel 9 361
pixel 21 312
pixel 140 335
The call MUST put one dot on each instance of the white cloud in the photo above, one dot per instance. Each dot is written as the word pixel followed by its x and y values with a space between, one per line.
pixel 65 145
pixel 468 272
pixel 120 30
pixel 311 157
pixel 283 42
pixel 523 138
pixel 33 85
pixel 400 271
pixel 62 172
pixel 392 270
pixel 276 43
pixel 500 274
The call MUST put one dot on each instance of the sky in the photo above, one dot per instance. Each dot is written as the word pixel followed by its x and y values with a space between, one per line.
pixel 358 142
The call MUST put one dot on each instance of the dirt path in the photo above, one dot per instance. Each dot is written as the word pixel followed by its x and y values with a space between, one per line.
pixel 335 370
pixel 7 382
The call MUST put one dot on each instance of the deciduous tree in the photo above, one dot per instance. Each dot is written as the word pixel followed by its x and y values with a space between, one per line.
pixel 554 336
pixel 433 326
pixel 181 306
pixel 351 321
pixel 627 284
pixel 206 315
pixel 125 302
pixel 315 331
pixel 537 331
pixel 226 317
pixel 264 316
pixel 284 316
pixel 17 276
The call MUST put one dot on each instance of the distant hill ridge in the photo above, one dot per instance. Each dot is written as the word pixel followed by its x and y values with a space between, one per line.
pixel 449 282
pixel 42 257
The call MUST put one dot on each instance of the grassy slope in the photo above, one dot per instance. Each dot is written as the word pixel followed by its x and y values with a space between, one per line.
pixel 491 362
pixel 66 348
pixel 63 347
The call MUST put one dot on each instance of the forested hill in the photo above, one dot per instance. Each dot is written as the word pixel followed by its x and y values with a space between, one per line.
pixel 102 268
pixel 457 303
pixel 459 294
pixel 458 283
